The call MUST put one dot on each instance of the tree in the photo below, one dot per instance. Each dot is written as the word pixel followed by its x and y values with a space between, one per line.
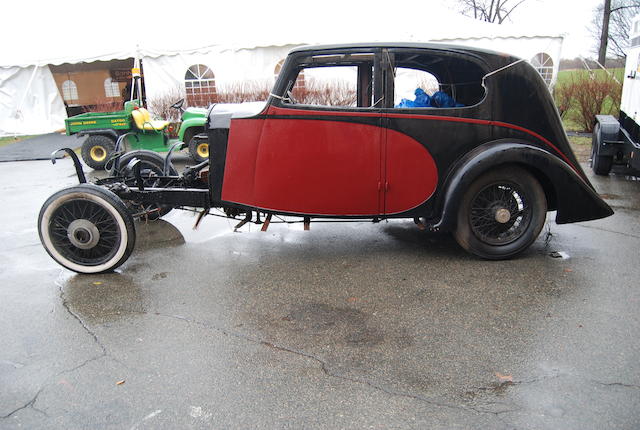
pixel 611 25
pixel 489 10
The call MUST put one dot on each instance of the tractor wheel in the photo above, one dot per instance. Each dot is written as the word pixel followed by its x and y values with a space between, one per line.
pixel 87 229
pixel 152 165
pixel 501 214
pixel 97 150
pixel 199 148
pixel 601 164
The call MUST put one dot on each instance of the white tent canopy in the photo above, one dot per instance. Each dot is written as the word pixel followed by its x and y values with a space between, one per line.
pixel 237 40
pixel 29 101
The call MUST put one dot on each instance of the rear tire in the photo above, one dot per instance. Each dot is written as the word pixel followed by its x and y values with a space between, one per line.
pixel 97 150
pixel 87 229
pixel 601 164
pixel 152 165
pixel 501 214
pixel 199 148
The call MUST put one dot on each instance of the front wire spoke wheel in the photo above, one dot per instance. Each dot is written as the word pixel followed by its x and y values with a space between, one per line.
pixel 86 229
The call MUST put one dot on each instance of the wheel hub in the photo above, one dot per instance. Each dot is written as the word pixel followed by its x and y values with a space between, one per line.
pixel 83 234
pixel 502 215
pixel 203 150
pixel 98 153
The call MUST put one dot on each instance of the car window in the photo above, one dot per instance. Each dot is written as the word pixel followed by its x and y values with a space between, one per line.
pixel 435 80
pixel 335 86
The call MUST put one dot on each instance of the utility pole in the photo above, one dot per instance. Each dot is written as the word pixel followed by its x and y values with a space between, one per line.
pixel 604 36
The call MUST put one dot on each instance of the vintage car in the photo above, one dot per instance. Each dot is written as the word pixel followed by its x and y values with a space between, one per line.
pixel 455 138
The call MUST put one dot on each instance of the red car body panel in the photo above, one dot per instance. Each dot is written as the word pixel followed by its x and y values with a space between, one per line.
pixel 325 167
pixel 239 172
pixel 408 164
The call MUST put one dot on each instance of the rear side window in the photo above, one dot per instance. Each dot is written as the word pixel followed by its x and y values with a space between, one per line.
pixel 435 80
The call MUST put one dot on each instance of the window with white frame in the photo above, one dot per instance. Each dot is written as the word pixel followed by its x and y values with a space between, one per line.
pixel 69 91
pixel 200 85
pixel 543 63
pixel 111 88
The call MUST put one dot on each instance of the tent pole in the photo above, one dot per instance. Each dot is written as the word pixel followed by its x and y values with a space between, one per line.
pixel 133 77
pixel 139 81
pixel 139 77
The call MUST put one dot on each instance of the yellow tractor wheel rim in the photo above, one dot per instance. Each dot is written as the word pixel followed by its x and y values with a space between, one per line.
pixel 98 153
pixel 203 150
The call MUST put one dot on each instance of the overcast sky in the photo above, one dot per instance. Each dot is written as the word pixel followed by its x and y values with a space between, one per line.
pixel 63 25
pixel 570 16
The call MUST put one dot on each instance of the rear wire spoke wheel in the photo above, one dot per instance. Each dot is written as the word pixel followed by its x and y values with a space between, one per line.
pixel 86 229
pixel 501 214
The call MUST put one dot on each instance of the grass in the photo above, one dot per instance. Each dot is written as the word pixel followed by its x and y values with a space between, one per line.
pixel 8 140
pixel 567 76
pixel 581 147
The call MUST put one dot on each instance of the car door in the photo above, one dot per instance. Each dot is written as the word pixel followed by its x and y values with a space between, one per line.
pixel 321 144
pixel 428 94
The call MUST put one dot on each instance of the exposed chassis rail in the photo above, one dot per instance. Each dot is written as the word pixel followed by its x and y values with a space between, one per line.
pixel 175 197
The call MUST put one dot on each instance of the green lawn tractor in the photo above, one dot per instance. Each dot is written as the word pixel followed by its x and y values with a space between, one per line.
pixel 103 129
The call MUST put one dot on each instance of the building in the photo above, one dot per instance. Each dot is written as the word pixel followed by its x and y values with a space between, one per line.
pixel 87 86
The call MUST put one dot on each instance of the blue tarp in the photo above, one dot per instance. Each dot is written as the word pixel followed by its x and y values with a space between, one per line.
pixel 439 99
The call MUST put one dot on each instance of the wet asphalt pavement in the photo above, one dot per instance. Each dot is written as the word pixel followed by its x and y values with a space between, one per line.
pixel 353 325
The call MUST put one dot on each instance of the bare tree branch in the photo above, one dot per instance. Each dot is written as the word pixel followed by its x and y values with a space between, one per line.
pixel 496 11
pixel 617 34
pixel 508 12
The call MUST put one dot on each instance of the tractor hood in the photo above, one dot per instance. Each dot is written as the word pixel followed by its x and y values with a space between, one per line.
pixel 220 114
pixel 194 112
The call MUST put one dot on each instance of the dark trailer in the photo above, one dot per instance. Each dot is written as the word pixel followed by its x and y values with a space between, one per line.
pixel 616 142
pixel 456 138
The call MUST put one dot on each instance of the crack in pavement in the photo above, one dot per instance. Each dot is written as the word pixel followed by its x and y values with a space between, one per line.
pixel 29 404
pixel 65 304
pixel 616 384
pixel 104 353
pixel 226 332
pixel 523 382
pixel 324 367
pixel 502 386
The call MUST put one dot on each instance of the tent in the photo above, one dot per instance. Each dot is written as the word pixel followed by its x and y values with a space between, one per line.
pixel 29 101
pixel 237 41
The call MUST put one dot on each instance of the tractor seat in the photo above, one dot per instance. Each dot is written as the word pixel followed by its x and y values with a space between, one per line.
pixel 143 120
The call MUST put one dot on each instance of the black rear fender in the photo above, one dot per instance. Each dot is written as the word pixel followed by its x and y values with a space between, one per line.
pixel 574 198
